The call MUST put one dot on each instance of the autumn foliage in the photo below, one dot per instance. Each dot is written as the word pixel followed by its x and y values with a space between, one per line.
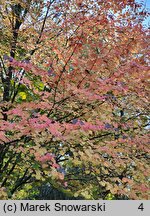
pixel 74 98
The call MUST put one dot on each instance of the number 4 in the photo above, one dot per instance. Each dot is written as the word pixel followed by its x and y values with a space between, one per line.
pixel 141 207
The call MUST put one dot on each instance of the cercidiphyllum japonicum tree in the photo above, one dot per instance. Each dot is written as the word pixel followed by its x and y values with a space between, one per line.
pixel 74 98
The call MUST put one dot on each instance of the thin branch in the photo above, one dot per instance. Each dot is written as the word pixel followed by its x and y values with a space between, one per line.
pixel 42 29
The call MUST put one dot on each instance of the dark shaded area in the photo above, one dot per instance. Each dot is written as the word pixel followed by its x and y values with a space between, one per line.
pixel 47 192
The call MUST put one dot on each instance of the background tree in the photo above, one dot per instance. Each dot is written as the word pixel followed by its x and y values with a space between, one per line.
pixel 74 98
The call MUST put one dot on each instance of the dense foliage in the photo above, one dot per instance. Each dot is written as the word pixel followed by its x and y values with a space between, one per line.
pixel 74 109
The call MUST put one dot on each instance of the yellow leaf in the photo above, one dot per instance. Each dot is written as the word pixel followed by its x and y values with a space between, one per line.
pixel 38 175
pixel 23 95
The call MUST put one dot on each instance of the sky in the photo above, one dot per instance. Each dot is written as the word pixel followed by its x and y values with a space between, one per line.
pixel 147 6
pixel 148 3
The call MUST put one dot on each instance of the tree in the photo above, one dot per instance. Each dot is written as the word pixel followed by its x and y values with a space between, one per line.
pixel 74 98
